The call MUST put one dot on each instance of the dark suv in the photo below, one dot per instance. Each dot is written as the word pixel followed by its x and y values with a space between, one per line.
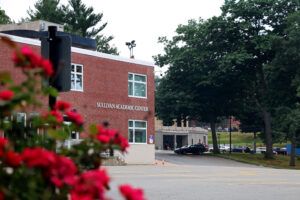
pixel 192 149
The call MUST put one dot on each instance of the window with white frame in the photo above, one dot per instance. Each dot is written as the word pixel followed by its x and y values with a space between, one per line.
pixel 137 131
pixel 21 118
pixel 137 85
pixel 77 77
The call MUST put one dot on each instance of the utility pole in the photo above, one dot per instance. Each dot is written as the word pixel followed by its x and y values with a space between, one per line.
pixel 53 58
pixel 230 135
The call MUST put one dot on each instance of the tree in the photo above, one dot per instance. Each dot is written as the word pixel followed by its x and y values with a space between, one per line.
pixel 80 18
pixel 285 80
pixel 4 19
pixel 259 21
pixel 48 10
pixel 103 45
pixel 170 104
pixel 203 73
pixel 77 18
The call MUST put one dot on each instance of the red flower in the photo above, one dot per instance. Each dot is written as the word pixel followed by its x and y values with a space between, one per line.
pixel 47 66
pixel 6 95
pixel 131 193
pixel 75 117
pixel 110 135
pixel 1 195
pixel 62 171
pixel 27 59
pixel 62 105
pixel 58 116
pixel 3 144
pixel 103 138
pixel 104 135
pixel 90 185
pixel 38 157
pixel 123 142
pixel 13 159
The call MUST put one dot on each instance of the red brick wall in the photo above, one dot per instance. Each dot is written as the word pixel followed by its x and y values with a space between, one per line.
pixel 104 80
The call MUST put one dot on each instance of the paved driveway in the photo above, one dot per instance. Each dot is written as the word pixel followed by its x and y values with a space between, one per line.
pixel 207 178
pixel 199 160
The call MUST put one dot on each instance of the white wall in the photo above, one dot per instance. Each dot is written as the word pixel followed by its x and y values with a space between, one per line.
pixel 140 154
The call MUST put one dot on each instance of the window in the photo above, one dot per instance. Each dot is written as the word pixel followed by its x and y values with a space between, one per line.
pixel 137 131
pixel 77 77
pixel 74 135
pixel 21 118
pixel 137 85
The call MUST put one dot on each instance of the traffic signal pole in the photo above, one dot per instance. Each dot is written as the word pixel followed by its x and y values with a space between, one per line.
pixel 53 59
pixel 57 48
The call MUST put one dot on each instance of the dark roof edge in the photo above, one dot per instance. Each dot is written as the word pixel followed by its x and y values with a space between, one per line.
pixel 77 41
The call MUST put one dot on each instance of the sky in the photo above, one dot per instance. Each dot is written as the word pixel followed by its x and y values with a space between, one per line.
pixel 140 20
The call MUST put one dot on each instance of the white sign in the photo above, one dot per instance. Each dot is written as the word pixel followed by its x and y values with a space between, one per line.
pixel 151 139
pixel 122 107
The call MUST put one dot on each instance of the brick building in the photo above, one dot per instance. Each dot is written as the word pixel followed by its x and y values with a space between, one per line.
pixel 106 88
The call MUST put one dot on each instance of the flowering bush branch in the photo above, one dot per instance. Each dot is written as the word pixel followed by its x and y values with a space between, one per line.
pixel 31 164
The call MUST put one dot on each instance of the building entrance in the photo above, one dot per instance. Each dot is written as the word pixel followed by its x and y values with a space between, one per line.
pixel 181 140
pixel 168 141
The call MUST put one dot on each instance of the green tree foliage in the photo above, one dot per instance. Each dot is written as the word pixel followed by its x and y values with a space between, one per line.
pixel 104 46
pixel 80 18
pixel 222 65
pixel 4 19
pixel 285 81
pixel 200 78
pixel 48 10
pixel 77 18
pixel 259 21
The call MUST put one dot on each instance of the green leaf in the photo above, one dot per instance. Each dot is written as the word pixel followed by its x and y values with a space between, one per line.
pixel 58 134
pixel 5 77
pixel 93 129
pixel 51 91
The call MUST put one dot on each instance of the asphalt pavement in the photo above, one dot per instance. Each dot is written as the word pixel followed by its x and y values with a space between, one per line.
pixel 206 178
pixel 198 160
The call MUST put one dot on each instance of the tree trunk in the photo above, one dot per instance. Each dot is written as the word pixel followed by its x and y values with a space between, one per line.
pixel 268 134
pixel 214 137
pixel 254 142
pixel 178 121
pixel 293 151
pixel 184 122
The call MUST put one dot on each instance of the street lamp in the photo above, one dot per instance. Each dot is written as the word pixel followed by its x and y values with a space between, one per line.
pixel 130 46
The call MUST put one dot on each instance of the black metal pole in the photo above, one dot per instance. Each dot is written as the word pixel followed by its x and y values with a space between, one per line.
pixel 53 59
pixel 230 134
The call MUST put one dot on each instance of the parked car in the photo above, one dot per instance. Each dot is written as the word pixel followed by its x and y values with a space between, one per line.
pixel 222 148
pixel 263 150
pixel 281 151
pixel 241 150
pixel 191 149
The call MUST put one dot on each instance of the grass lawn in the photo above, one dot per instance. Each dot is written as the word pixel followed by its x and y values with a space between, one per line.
pixel 279 161
pixel 239 139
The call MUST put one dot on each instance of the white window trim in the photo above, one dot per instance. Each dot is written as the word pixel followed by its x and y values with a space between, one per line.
pixel 133 128
pixel 133 81
pixel 21 114
pixel 75 73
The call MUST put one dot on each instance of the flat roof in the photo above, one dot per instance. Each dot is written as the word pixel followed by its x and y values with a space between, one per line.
pixel 37 42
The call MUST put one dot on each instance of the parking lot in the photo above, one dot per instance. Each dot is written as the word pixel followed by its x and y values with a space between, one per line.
pixel 199 177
